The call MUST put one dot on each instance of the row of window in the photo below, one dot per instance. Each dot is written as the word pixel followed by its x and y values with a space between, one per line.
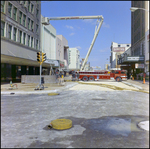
pixel 13 11
pixel 13 33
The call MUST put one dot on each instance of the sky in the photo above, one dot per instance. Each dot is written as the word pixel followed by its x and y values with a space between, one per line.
pixel 79 33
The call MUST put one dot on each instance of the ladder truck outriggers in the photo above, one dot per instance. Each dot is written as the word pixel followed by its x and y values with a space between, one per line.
pixel 118 75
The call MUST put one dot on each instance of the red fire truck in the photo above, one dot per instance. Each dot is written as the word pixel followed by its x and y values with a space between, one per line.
pixel 117 75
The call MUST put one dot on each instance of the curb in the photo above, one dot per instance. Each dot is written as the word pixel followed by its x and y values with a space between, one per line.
pixel 136 86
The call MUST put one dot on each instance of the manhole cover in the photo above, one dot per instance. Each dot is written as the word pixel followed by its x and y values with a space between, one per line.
pixel 61 124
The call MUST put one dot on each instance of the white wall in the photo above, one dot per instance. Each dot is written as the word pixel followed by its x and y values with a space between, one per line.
pixel 74 58
pixel 48 37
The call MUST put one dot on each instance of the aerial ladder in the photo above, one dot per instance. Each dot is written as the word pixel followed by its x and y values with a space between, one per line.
pixel 100 18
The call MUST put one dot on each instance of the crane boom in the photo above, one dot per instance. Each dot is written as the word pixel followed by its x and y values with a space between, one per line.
pixel 47 19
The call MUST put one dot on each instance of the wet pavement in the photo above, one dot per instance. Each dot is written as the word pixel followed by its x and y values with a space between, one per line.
pixel 101 119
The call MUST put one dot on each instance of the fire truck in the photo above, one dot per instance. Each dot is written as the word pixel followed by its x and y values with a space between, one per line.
pixel 117 75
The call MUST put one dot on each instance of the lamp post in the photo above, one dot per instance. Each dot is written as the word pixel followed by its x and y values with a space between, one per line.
pixel 133 9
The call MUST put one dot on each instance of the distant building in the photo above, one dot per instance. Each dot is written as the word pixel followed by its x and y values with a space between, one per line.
pixel 74 59
pixel 116 50
pixel 62 52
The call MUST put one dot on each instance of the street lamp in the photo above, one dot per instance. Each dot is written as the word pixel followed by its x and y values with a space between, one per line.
pixel 136 8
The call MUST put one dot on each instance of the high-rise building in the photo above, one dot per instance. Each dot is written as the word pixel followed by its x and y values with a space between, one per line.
pixel 20 38
pixel 140 32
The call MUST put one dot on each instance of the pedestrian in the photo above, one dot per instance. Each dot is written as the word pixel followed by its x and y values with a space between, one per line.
pixel 73 75
pixel 57 76
pixel 78 75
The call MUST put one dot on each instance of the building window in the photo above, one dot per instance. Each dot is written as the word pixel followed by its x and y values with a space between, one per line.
pixel 20 36
pixel 32 25
pixel 127 45
pixel 2 6
pixel 119 45
pixel 28 23
pixel 32 8
pixel 9 31
pixel 37 44
pixel 37 28
pixel 15 34
pixel 20 17
pixel 29 6
pixel 37 13
pixel 24 38
pixel 32 42
pixel 2 28
pixel 15 13
pixel 24 20
pixel 9 9
pixel 28 40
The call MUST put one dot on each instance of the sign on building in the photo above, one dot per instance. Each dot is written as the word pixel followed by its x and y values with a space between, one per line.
pixel 139 65
pixel 118 49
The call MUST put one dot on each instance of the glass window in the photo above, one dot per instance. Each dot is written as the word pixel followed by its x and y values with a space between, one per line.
pixel 116 72
pixel 24 38
pixel 15 33
pixel 37 28
pixel 31 25
pixel 28 23
pixel 9 31
pixel 122 72
pixel 28 40
pixel 36 44
pixel 20 36
pixel 9 9
pixel 15 13
pixel 2 6
pixel 32 8
pixel 29 6
pixel 2 28
pixel 118 45
pixel 32 42
pixel 20 17
pixel 24 20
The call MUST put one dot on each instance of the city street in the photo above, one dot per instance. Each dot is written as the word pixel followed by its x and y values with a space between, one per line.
pixel 101 118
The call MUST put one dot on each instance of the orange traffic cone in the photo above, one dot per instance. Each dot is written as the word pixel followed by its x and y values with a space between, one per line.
pixel 143 80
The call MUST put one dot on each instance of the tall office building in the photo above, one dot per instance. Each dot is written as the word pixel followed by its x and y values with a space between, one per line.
pixel 20 38
pixel 140 32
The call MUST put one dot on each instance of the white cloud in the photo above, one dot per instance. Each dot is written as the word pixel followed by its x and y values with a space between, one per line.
pixel 106 25
pixel 78 47
pixel 70 27
pixel 71 34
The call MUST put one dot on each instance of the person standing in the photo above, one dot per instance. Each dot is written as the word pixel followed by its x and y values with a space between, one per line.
pixel 78 75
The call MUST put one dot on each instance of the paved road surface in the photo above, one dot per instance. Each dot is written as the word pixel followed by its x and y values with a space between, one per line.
pixel 101 118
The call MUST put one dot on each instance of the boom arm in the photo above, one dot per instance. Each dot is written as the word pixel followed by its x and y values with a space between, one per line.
pixel 46 20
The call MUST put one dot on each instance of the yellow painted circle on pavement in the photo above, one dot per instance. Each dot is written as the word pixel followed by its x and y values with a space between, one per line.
pixel 61 124
pixel 51 94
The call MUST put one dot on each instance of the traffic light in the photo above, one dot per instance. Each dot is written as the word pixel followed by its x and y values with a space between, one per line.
pixel 38 56
pixel 43 57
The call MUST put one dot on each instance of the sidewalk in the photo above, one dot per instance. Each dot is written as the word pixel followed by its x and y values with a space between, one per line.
pixel 138 84
pixel 29 88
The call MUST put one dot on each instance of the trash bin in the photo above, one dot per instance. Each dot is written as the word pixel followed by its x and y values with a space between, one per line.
pixel 42 80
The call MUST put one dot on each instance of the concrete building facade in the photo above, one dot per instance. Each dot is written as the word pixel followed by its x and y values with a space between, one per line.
pixel 74 59
pixel 62 52
pixel 116 50
pixel 20 38
pixel 140 32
